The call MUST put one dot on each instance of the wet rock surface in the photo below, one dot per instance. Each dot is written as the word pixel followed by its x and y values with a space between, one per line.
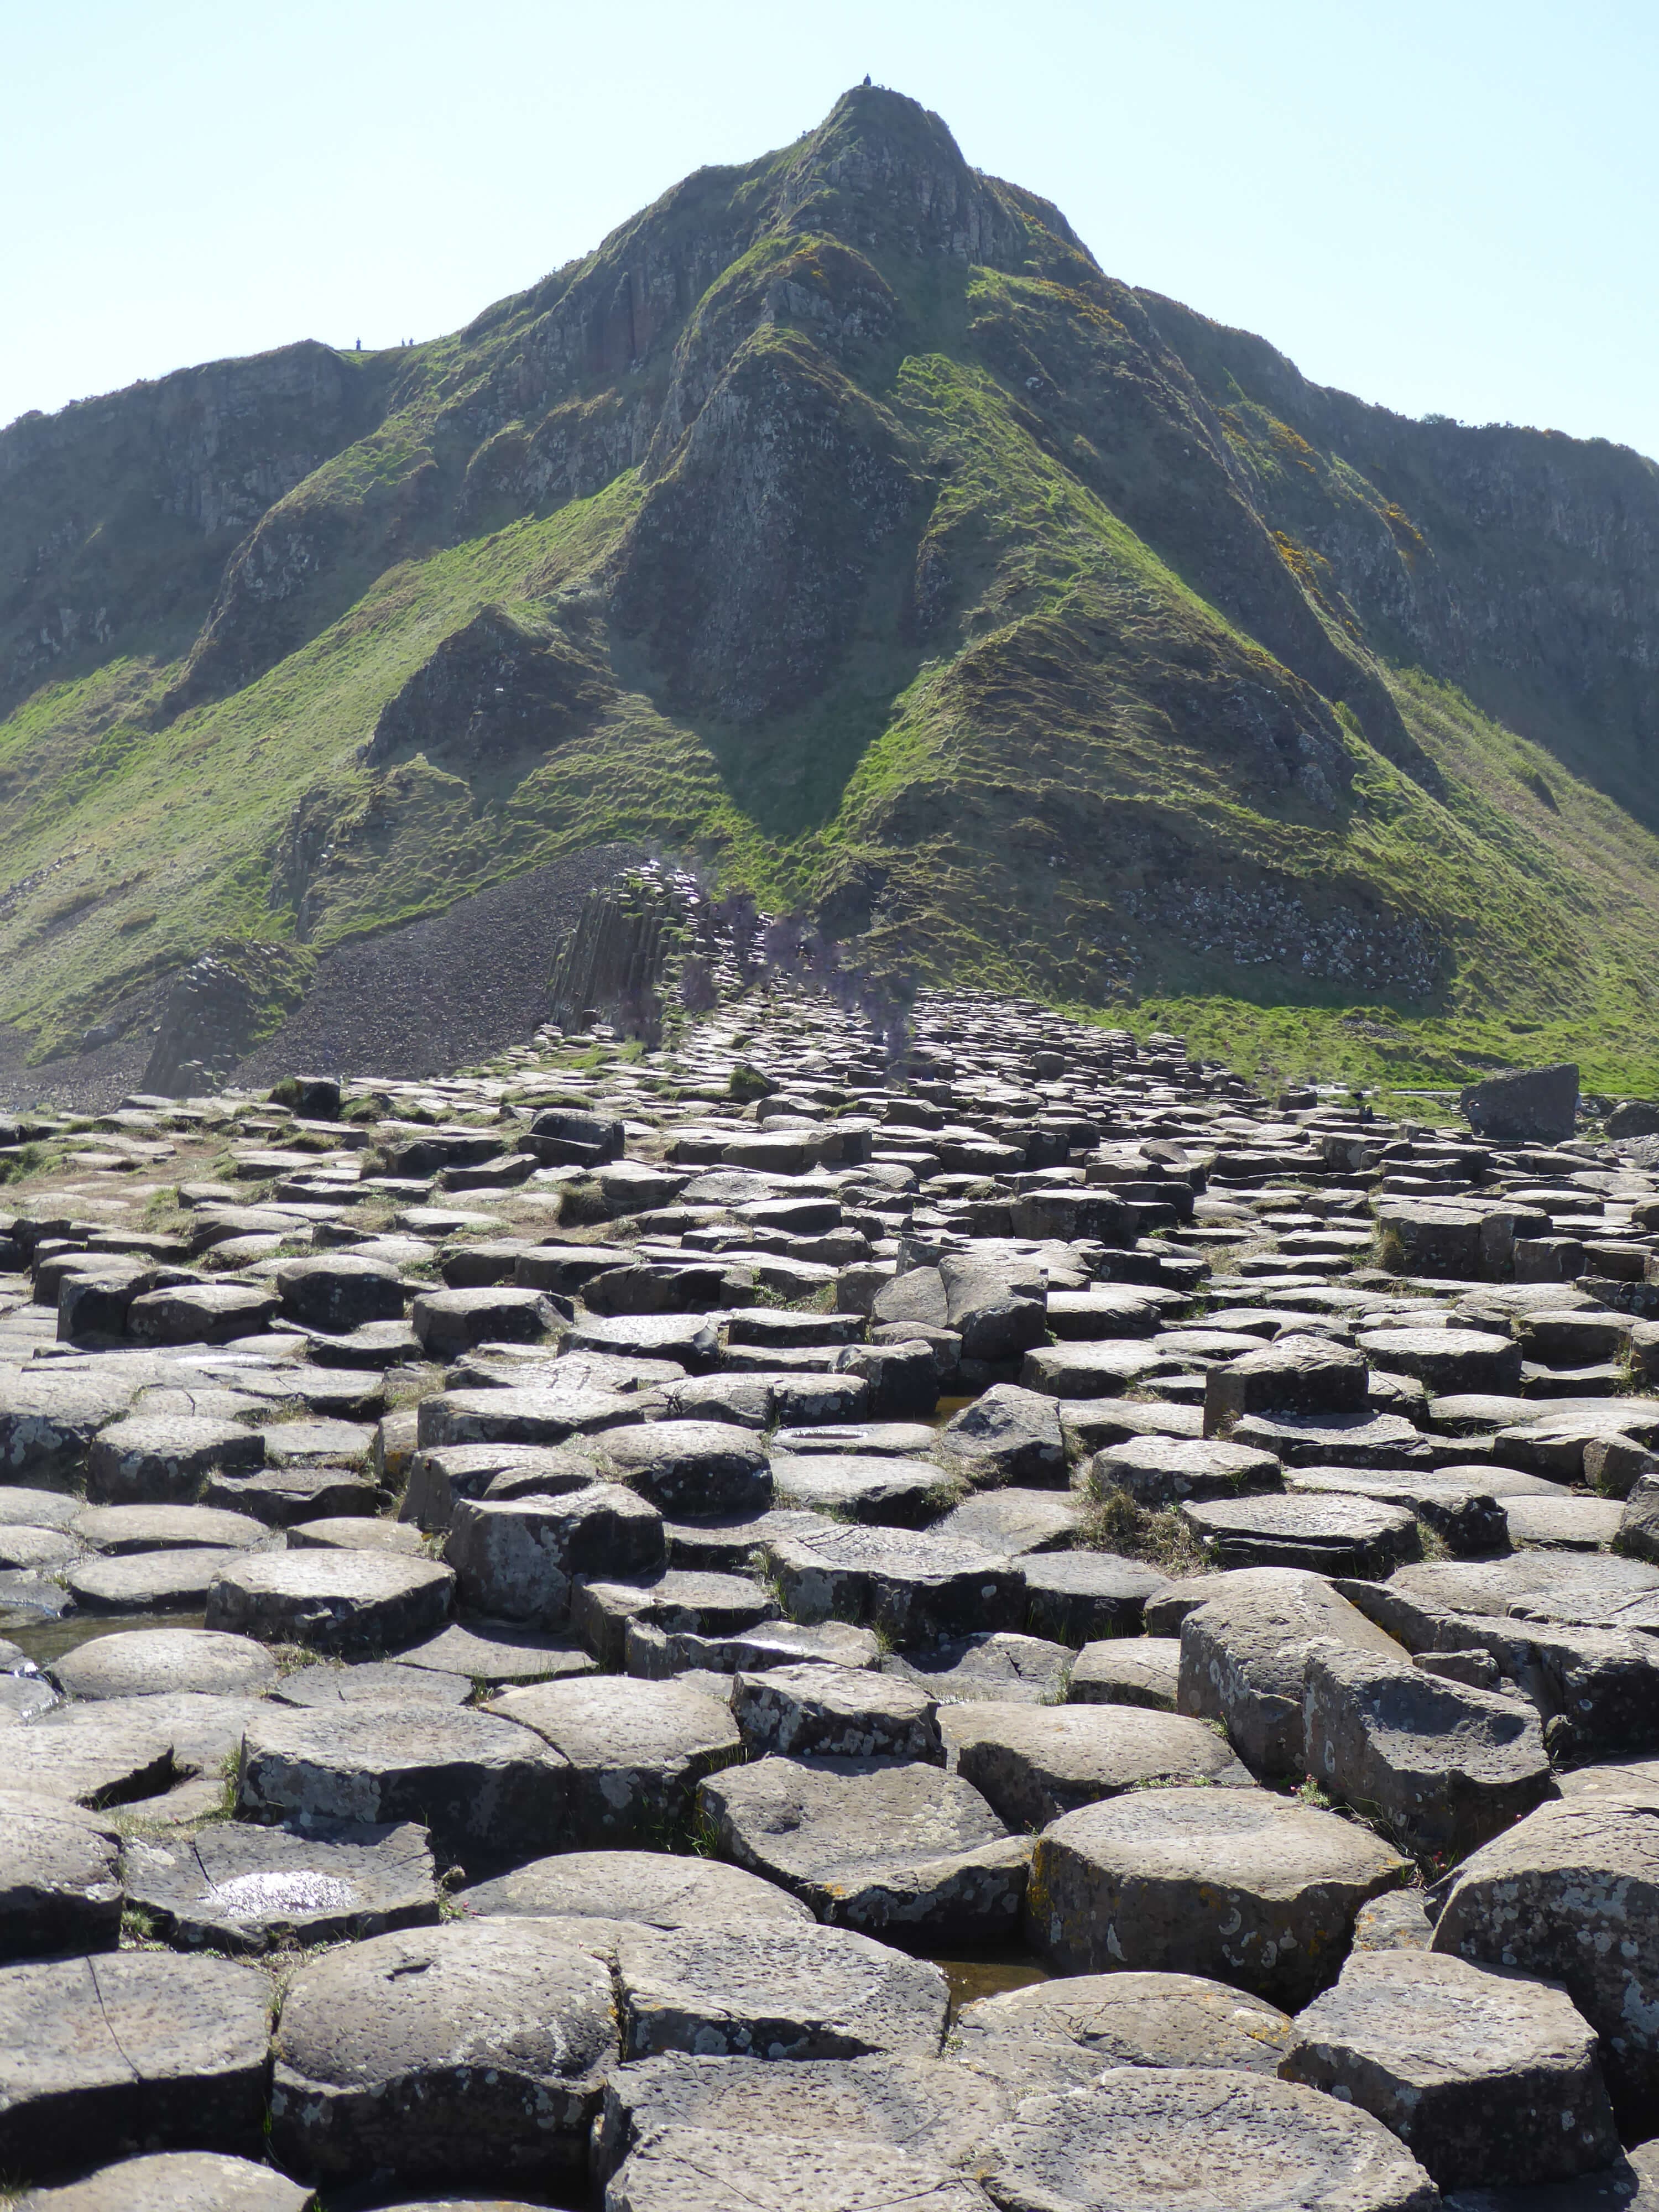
pixel 588 1578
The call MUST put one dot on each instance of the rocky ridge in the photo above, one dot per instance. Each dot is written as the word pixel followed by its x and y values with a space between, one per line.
pixel 809 1619
pixel 841 526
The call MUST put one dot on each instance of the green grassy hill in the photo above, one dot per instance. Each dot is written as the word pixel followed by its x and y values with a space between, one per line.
pixel 840 525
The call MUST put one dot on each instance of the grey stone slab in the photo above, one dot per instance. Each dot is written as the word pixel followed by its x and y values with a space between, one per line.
pixel 1238 1886
pixel 1449 1362
pixel 1463 1507
pixel 1245 1645
pixel 439 1479
pixel 156 1459
pixel 777 1993
pixel 357 1533
pixel 49 1417
pixel 281 1498
pixel 633 1751
pixel 924 2107
pixel 149 1582
pixel 149 1662
pixel 60 1881
pixel 1148 2137
pixel 677 1602
pixel 1484 2075
pixel 1032 1763
pixel 1321 1531
pixel 885 1846
pixel 1074 1597
pixel 371 1682
pixel 487 1789
pixel 1128 1670
pixel 474 2051
pixel 127 2051
pixel 819 1711
pixel 36 1551
pixel 1007 1435
pixel 1570 1895
pixel 24 1507
pixel 497 1652
pixel 175 2181
pixel 655 1653
pixel 674 2168
pixel 914 1439
pixel 1161 1471
pixel 1092 1371
pixel 331 1600
pixel 912 1585
pixel 655 1889
pixel 1130 2020
pixel 120 1528
pixel 997 1664
pixel 1396 1921
pixel 1592 1590
pixel 243 1889
pixel 1016 1521
pixel 519 1559
pixel 881 1490
pixel 1444 1765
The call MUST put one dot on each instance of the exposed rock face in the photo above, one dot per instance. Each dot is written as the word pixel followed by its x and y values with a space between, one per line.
pixel 492 689
pixel 1540 1104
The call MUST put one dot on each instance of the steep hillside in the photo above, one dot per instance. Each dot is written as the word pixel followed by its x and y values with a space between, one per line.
pixel 838 524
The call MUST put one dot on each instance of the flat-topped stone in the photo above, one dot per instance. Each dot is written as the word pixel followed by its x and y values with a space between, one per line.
pixel 633 1751
pixel 60 1878
pixel 1074 1597
pixel 120 1528
pixel 1484 2075
pixel 873 1844
pixel 382 2044
pixel 485 1788
pixel 924 2107
pixel 1032 1763
pixel 1322 1531
pixel 656 1889
pixel 149 1582
pixel 1131 2020
pixel 884 1490
pixel 153 1662
pixel 1447 1766
pixel 175 2181
pixel 497 1652
pixel 109 2054
pixel 997 1664
pixel 1128 1670
pixel 242 1889
pixel 164 1459
pixel 672 2168
pixel 333 1601
pixel 776 1993
pixel 1146 2138
pixel 1235 1885
pixel 819 1711
pixel 372 1681
pixel 1570 1895
pixel 912 1585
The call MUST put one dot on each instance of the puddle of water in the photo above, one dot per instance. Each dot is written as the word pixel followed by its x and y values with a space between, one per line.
pixel 946 1410
pixel 989 1974
pixel 46 1641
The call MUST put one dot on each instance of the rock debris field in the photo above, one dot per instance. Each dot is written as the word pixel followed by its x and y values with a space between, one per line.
pixel 762 1628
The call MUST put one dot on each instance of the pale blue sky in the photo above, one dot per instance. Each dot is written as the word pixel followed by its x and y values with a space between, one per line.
pixel 1445 208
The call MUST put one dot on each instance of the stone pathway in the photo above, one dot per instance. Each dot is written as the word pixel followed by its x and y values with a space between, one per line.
pixel 555 1621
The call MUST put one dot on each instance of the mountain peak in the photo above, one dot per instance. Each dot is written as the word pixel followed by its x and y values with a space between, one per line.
pixel 882 168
